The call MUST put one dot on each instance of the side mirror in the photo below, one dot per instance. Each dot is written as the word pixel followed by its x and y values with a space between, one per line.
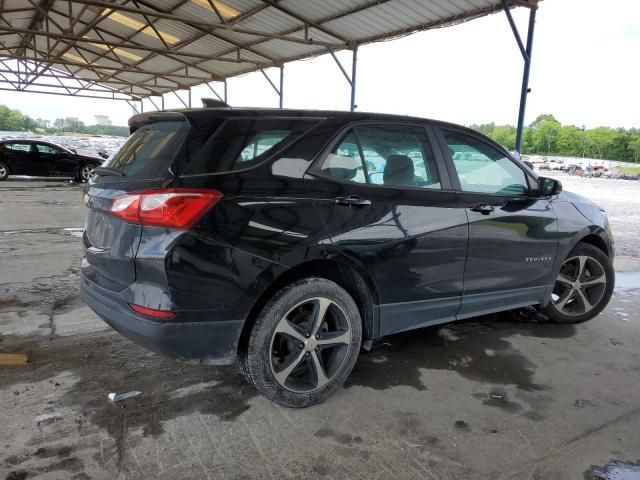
pixel 548 186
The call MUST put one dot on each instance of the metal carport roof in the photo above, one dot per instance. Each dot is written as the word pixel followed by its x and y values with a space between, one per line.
pixel 134 49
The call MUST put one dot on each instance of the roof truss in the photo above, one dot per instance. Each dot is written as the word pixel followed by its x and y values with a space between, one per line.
pixel 143 48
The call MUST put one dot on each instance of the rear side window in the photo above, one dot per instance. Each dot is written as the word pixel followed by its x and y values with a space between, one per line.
pixel 19 147
pixel 149 151
pixel 244 143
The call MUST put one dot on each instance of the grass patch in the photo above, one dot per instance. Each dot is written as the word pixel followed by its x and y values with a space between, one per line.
pixel 631 170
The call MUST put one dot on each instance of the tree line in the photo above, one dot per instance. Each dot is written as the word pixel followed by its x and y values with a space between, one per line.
pixel 547 136
pixel 14 120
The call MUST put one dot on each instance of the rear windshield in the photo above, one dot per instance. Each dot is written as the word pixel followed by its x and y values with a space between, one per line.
pixel 149 151
pixel 244 143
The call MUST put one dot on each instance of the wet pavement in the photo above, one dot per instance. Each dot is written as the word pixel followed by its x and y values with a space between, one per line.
pixel 498 397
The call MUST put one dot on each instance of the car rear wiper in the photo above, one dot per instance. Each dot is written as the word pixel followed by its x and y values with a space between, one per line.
pixel 108 172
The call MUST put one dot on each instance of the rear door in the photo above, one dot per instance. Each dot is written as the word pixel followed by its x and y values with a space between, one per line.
pixel 513 234
pixel 384 196
pixel 49 157
pixel 142 163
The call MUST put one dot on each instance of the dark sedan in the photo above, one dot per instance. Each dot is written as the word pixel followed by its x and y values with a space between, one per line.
pixel 43 159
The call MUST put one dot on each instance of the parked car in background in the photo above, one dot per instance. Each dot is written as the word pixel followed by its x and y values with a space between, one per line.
pixel 43 159
pixel 260 236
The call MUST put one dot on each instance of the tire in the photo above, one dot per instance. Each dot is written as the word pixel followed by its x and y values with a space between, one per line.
pixel 4 171
pixel 284 353
pixel 586 275
pixel 85 172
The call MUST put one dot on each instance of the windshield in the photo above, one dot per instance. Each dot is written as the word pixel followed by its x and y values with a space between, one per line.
pixel 149 151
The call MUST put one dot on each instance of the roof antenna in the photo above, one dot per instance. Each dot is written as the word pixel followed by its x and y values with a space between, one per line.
pixel 213 103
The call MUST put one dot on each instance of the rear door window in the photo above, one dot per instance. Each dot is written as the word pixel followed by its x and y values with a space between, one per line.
pixel 19 147
pixel 244 143
pixel 345 161
pixel 149 151
pixel 385 155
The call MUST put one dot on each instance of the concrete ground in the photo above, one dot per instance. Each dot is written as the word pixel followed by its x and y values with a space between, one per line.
pixel 493 398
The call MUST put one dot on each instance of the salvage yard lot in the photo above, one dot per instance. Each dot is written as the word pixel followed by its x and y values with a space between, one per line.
pixel 496 397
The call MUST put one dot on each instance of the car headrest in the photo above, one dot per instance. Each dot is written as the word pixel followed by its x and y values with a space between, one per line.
pixel 399 170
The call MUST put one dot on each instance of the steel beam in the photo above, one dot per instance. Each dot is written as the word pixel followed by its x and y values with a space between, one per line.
pixel 279 91
pixel 526 56
pixel 351 80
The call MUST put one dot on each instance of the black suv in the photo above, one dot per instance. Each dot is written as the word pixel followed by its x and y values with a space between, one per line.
pixel 288 240
pixel 44 159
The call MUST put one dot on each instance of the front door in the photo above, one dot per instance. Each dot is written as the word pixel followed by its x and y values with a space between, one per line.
pixel 52 157
pixel 386 202
pixel 513 233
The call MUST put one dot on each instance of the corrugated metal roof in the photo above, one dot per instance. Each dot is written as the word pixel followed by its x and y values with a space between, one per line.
pixel 150 47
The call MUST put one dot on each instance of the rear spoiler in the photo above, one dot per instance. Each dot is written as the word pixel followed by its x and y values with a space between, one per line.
pixel 141 119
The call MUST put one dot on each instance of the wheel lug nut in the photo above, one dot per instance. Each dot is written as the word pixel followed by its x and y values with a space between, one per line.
pixel 317 335
pixel 301 345
pixel 307 334
pixel 306 354
pixel 317 348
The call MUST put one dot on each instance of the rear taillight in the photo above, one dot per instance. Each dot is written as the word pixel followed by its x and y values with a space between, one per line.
pixel 177 208
pixel 152 312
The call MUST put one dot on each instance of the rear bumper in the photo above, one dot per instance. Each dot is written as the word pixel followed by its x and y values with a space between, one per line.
pixel 205 342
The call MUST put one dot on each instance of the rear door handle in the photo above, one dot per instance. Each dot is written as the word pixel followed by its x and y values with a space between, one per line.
pixel 352 201
pixel 482 208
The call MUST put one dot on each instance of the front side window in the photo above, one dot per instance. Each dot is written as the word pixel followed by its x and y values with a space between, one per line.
pixel 46 149
pixel 389 155
pixel 484 169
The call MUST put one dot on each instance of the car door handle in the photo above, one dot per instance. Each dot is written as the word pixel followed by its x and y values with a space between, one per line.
pixel 482 208
pixel 352 201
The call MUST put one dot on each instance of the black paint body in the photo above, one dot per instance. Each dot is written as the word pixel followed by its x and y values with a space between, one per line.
pixel 58 162
pixel 419 257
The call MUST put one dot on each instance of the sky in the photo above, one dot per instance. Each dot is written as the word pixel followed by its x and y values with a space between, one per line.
pixel 585 71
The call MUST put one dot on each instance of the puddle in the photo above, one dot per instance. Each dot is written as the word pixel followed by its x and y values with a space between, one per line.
pixel 614 470
pixel 626 281
pixel 111 363
pixel 481 351
pixel 69 231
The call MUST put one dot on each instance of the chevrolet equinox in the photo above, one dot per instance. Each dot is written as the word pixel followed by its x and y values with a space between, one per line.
pixel 287 240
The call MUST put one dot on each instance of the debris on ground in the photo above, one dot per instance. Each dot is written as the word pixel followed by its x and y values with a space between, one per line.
pixel 118 397
pixel 13 358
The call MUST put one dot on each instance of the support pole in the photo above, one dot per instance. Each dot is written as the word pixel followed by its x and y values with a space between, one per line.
pixel 225 91
pixel 525 79
pixel 353 78
pixel 273 85
pixel 189 92
pixel 281 92
pixel 214 92
pixel 162 101
pixel 526 56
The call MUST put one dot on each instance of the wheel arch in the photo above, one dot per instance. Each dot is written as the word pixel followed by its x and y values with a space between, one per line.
pixel 356 282
pixel 597 241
